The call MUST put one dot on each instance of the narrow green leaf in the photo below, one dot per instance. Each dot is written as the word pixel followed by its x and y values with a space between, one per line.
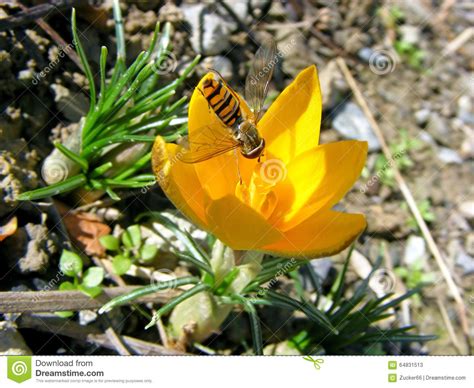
pixel 112 194
pixel 336 290
pixel 69 184
pixel 159 286
pixel 255 326
pixel 100 170
pixel 306 308
pixel 183 236
pixel 103 63
pixel 73 156
pixel 227 281
pixel 176 301
pixel 84 61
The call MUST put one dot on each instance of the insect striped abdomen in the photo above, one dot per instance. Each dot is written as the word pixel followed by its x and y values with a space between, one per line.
pixel 225 105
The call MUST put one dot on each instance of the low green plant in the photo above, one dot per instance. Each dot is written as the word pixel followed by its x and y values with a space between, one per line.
pixel 88 282
pixel 355 317
pixel 128 248
pixel 111 148
pixel 401 158
pixel 411 53
pixel 414 275
pixel 426 212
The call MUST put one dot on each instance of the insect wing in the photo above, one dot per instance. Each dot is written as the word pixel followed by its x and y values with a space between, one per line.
pixel 210 141
pixel 261 71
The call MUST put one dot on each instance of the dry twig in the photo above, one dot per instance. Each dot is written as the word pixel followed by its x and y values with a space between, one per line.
pixel 50 301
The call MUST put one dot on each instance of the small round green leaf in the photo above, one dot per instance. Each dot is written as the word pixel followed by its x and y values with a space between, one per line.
pixel 132 237
pixel 148 252
pixel 70 263
pixel 109 242
pixel 90 291
pixel 93 277
pixel 121 264
pixel 67 286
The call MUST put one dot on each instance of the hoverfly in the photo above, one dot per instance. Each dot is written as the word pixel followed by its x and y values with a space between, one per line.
pixel 240 130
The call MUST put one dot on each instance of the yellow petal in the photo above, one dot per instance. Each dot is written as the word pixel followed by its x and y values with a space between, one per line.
pixel 238 225
pixel 317 179
pixel 218 175
pixel 324 234
pixel 179 182
pixel 291 125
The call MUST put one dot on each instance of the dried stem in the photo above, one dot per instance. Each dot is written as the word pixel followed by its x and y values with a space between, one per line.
pixel 50 301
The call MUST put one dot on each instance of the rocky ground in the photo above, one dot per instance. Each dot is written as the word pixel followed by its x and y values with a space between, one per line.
pixel 405 55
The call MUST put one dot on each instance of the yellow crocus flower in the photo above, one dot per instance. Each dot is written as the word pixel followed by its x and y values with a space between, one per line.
pixel 281 204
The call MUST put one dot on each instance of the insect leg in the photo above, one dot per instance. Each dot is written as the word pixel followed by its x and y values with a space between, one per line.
pixel 237 163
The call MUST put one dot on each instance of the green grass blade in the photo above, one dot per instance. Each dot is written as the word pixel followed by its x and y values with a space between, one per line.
pixel 338 286
pixel 55 189
pixel 183 236
pixel 176 301
pixel 255 326
pixel 84 61
pixel 160 286
pixel 81 162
